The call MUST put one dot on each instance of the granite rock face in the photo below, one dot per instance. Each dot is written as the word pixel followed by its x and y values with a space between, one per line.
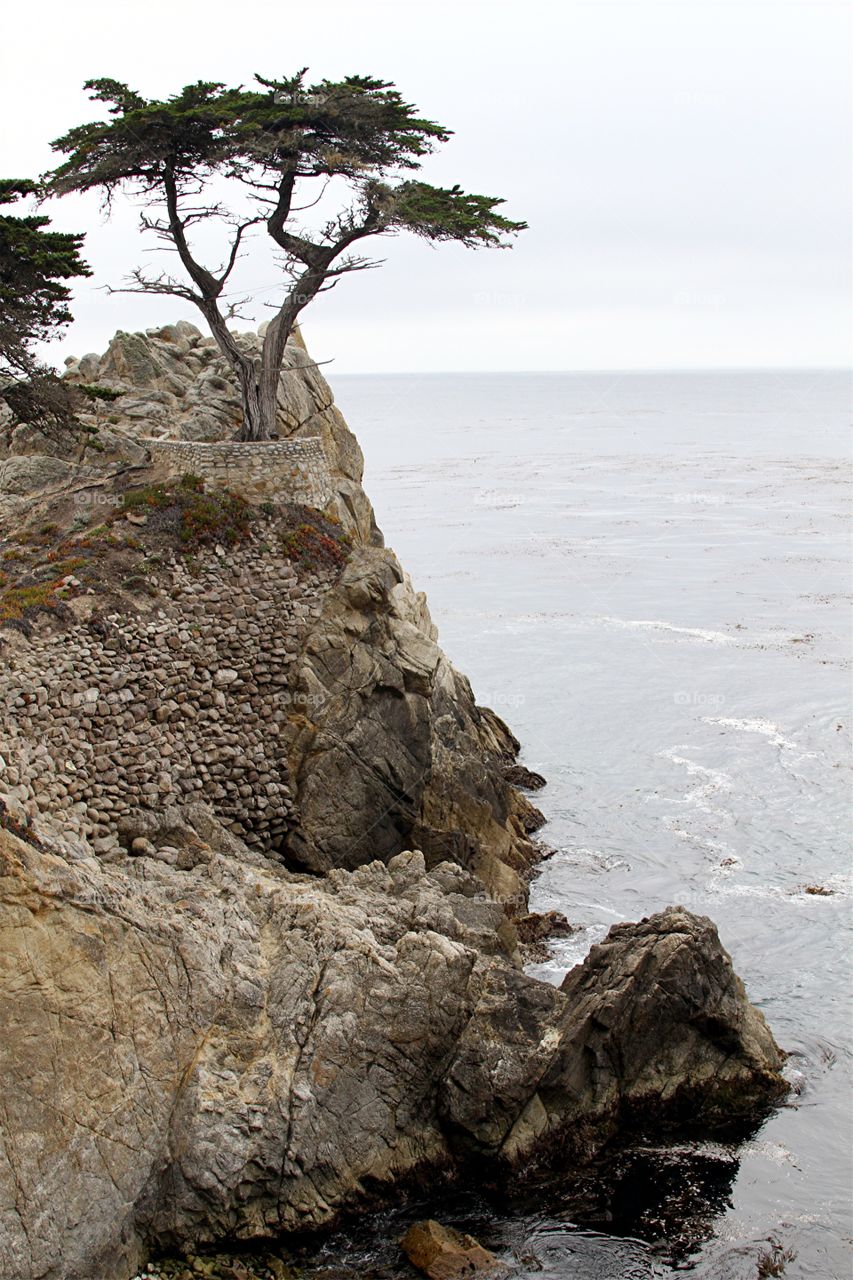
pixel 220 1048
pixel 394 751
pixel 654 1025
pixel 173 383
pixel 25 474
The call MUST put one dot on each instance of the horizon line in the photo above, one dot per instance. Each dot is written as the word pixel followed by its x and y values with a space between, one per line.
pixel 635 369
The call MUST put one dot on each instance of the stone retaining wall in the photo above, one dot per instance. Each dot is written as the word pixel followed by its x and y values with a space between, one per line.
pixel 185 703
pixel 294 470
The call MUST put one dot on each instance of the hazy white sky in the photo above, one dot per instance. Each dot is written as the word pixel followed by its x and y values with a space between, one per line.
pixel 684 166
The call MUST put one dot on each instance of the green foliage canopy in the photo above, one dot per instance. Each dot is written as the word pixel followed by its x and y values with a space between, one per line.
pixel 272 139
pixel 35 266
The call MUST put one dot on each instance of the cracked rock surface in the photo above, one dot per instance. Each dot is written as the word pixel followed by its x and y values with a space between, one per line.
pixel 232 1050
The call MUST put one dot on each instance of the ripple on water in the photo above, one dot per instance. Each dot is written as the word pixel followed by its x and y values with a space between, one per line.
pixel 553 1251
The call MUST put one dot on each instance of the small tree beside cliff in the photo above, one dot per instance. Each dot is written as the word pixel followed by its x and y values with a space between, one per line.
pixel 348 144
pixel 35 266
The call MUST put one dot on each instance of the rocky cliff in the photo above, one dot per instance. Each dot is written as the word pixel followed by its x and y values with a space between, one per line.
pixel 275 664
pixel 262 866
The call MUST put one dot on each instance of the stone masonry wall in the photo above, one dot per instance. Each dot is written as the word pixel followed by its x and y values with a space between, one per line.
pixel 294 470
pixel 181 703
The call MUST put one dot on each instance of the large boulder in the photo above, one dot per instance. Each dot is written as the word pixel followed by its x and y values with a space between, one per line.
pixel 25 474
pixel 654 1025
pixel 441 1253
pixel 132 360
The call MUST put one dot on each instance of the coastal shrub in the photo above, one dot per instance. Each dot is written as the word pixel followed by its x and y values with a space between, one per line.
pixel 198 515
pixel 219 516
pixel 34 538
pixel 315 543
pixel 91 392
pixel 17 603
pixel 60 568
pixel 18 600
pixel 139 583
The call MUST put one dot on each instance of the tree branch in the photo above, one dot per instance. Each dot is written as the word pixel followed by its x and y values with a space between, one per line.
pixel 207 283
pixel 162 285
pixel 240 229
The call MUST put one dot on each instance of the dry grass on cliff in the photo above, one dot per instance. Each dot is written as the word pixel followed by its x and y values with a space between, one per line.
pixel 118 544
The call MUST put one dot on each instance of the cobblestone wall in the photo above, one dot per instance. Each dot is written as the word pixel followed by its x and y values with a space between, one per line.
pixel 183 703
pixel 291 470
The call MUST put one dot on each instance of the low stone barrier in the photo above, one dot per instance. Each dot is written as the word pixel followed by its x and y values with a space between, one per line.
pixel 294 469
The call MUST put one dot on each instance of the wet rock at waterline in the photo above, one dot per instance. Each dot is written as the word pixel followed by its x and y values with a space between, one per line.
pixel 441 1253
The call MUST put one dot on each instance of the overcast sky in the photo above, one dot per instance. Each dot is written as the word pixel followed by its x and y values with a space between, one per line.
pixel 684 166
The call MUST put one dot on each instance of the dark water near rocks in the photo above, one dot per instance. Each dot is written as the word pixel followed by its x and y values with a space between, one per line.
pixel 645 574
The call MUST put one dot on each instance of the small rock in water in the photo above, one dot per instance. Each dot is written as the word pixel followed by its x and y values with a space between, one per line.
pixel 536 926
pixel 519 776
pixel 444 1254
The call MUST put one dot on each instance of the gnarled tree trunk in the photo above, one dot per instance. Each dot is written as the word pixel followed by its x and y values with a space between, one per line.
pixel 254 426
pixel 259 386
pixel 272 358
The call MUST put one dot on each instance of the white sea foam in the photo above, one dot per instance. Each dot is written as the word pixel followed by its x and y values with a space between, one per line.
pixel 772 1151
pixel 695 633
pixel 840 883
pixel 794 896
pixel 729 865
pixel 740 890
pixel 594 859
pixel 714 783
pixel 719 779
pixel 565 953
pixel 765 728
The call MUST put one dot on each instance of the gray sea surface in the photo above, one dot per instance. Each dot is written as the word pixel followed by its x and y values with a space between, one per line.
pixel 648 576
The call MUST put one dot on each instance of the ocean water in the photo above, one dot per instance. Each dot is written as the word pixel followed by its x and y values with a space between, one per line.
pixel 648 576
